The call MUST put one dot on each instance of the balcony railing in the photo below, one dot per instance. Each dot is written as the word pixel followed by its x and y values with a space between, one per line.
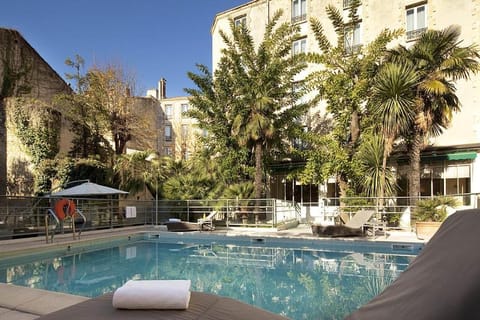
pixel 353 49
pixel 347 4
pixel 299 18
pixel 415 34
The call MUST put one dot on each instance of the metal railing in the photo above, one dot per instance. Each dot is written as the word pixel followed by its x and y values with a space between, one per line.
pixel 26 216
pixel 395 212
pixel 31 216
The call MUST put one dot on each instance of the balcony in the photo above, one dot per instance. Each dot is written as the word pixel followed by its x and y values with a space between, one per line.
pixel 347 4
pixel 299 18
pixel 415 34
pixel 352 49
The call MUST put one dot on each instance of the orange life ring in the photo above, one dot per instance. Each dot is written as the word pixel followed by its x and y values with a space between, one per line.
pixel 64 208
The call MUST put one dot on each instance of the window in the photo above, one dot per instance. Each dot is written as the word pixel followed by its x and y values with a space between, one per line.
pixel 168 133
pixel 184 107
pixel 184 131
pixel 416 21
pixel 299 46
pixel 352 39
pixel 299 10
pixel 168 151
pixel 442 180
pixel 241 20
pixel 169 111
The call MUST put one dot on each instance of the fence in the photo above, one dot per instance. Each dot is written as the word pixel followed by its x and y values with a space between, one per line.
pixel 396 212
pixel 26 216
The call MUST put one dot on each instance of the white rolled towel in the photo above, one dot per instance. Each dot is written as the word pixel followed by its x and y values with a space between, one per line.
pixel 153 294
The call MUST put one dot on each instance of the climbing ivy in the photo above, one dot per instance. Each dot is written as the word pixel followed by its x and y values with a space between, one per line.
pixel 37 127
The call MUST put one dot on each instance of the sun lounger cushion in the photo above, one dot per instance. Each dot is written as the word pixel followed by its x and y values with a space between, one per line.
pixel 442 283
pixel 153 294
pixel 203 306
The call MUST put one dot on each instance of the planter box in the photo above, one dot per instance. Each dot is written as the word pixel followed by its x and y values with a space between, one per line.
pixel 425 230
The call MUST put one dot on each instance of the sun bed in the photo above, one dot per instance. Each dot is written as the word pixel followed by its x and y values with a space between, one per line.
pixel 203 306
pixel 442 283
pixel 178 225
pixel 354 227
pixel 182 226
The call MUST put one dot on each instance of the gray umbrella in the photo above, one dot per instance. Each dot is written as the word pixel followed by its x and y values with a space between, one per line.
pixel 88 189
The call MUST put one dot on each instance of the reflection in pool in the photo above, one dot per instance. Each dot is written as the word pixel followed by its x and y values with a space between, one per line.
pixel 300 283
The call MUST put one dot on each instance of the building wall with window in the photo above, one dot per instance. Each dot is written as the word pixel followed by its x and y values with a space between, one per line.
pixel 176 133
pixel 454 167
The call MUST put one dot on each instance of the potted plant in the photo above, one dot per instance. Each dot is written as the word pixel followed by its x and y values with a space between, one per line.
pixel 430 213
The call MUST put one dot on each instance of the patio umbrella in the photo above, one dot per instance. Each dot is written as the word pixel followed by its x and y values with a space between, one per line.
pixel 88 189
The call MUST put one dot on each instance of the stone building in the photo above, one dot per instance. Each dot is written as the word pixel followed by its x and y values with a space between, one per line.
pixel 176 133
pixel 451 163
pixel 24 74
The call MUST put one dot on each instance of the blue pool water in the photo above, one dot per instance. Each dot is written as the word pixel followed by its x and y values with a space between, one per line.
pixel 300 280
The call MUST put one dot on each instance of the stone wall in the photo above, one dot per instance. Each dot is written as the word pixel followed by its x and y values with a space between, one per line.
pixel 23 73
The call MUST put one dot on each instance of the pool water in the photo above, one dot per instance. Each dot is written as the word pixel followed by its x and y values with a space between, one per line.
pixel 305 282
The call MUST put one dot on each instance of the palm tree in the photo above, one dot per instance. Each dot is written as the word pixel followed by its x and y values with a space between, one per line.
pixel 135 172
pixel 378 180
pixel 439 61
pixel 391 103
pixel 266 105
pixel 344 82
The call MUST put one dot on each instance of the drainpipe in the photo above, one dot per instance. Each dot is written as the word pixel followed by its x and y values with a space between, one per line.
pixel 268 11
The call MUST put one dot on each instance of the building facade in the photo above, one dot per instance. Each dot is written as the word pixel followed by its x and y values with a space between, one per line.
pixel 450 164
pixel 176 132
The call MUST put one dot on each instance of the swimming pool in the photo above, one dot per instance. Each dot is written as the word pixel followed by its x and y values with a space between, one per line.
pixel 301 279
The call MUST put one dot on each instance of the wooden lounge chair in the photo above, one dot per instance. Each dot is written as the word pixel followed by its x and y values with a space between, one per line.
pixel 202 306
pixel 354 227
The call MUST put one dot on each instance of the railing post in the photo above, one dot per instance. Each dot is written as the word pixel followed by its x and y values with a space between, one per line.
pixel 274 213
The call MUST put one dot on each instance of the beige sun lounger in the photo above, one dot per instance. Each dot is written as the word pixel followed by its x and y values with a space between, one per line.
pixel 202 306
pixel 201 224
pixel 354 227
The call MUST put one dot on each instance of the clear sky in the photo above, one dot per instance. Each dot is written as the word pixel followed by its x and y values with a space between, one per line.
pixel 150 38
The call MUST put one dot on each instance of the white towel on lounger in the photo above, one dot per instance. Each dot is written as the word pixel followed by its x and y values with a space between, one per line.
pixel 153 294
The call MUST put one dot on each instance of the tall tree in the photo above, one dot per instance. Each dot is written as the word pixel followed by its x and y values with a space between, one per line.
pixel 89 133
pixel 391 103
pixel 262 77
pixel 439 61
pixel 343 81
pixel 213 103
pixel 109 90
pixel 102 110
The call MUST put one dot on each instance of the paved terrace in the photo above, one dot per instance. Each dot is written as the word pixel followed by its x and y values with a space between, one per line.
pixel 21 303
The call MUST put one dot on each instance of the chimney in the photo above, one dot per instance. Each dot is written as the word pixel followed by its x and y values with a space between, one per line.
pixel 162 89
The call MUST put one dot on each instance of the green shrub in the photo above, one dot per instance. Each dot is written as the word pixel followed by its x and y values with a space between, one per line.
pixel 434 209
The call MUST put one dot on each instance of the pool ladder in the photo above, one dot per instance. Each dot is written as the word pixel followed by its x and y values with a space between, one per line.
pixel 51 214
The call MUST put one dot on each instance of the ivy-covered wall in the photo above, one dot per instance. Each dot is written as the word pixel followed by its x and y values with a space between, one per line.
pixel 27 87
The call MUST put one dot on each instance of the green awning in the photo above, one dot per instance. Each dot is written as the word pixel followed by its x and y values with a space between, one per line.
pixel 462 155
pixel 452 156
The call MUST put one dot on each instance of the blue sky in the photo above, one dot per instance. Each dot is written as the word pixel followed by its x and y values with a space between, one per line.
pixel 151 38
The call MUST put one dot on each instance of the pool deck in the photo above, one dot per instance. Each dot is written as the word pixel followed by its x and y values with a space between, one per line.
pixel 21 303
